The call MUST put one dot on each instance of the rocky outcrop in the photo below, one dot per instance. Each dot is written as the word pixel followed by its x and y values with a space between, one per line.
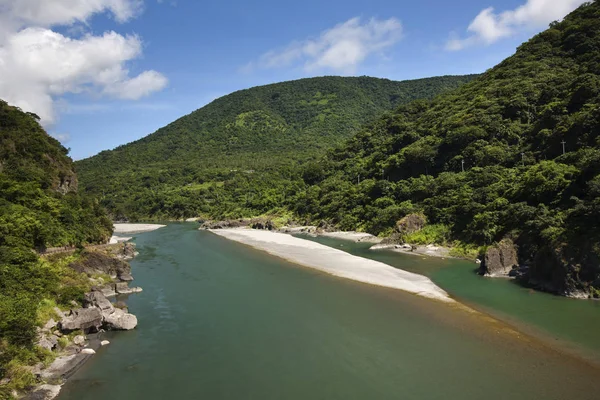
pixel 263 224
pixel 94 262
pixel 410 224
pixel 84 319
pixel 565 270
pixel 500 259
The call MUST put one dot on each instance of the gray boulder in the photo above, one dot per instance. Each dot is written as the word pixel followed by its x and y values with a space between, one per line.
pixel 500 259
pixel 120 320
pixel 85 319
pixel 48 342
pixel 99 300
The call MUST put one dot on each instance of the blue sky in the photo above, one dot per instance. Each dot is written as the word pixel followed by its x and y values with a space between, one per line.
pixel 168 58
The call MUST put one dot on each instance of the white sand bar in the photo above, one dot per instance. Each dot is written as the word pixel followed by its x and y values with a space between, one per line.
pixel 136 228
pixel 335 262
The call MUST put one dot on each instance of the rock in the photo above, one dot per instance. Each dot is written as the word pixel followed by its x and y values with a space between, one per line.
pixel 79 340
pixel 51 324
pixel 104 343
pixel 128 251
pixel 108 290
pixel 57 333
pixel 122 288
pixel 120 320
pixel 500 259
pixel 47 342
pixel 93 262
pixel 411 223
pixel 59 367
pixel 97 299
pixel 125 277
pixel 88 351
pixel 85 319
pixel 262 224
pixel 45 392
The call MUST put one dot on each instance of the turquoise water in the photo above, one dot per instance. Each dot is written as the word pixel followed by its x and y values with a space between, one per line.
pixel 218 320
pixel 573 322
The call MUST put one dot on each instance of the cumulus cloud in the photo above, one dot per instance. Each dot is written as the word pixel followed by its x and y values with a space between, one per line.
pixel 342 48
pixel 38 65
pixel 489 27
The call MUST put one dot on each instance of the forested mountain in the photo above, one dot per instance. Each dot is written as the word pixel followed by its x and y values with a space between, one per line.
pixel 526 133
pixel 39 208
pixel 237 155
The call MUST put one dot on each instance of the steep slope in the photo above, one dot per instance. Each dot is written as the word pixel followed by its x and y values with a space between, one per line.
pixel 39 208
pixel 172 172
pixel 507 129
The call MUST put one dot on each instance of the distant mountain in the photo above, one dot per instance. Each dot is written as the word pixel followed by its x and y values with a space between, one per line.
pixel 526 133
pixel 267 128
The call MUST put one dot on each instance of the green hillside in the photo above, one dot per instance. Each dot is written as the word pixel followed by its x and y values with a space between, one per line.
pixel 207 161
pixel 39 208
pixel 507 130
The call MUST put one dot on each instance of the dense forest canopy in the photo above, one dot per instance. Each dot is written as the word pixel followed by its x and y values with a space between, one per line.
pixel 238 155
pixel 515 153
pixel 39 208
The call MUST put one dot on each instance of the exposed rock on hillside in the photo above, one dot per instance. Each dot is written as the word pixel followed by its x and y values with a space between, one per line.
pixel 500 259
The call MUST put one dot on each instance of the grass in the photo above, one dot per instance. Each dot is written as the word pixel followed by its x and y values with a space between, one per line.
pixel 466 251
pixel 430 234
pixel 46 311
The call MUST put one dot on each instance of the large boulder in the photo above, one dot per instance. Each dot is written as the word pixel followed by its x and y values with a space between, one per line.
pixel 411 223
pixel 120 320
pixel 97 299
pixel 500 259
pixel 85 319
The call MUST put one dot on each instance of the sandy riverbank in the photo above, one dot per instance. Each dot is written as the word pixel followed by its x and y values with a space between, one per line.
pixel 335 262
pixel 136 228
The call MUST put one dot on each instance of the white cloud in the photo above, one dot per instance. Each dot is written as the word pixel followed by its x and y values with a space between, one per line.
pixel 62 137
pixel 489 26
pixel 342 48
pixel 38 65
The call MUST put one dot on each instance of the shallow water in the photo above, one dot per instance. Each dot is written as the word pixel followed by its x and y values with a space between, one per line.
pixel 574 323
pixel 219 320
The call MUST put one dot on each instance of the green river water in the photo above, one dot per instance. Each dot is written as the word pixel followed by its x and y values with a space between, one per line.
pixel 219 320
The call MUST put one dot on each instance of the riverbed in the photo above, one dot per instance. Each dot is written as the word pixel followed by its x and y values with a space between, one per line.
pixel 220 320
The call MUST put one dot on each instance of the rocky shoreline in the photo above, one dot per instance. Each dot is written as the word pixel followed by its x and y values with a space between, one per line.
pixel 75 334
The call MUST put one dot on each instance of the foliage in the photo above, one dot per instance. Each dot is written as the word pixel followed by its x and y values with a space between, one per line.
pixel 506 129
pixel 238 156
pixel 39 208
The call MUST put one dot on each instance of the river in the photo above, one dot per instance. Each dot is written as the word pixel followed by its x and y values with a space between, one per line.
pixel 219 320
